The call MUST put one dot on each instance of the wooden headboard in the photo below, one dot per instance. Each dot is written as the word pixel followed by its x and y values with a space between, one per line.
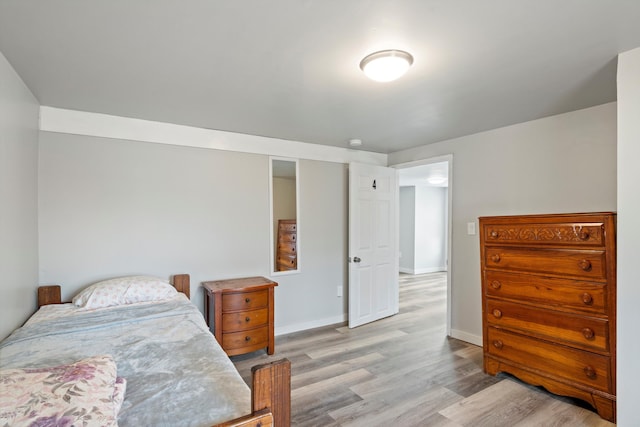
pixel 51 294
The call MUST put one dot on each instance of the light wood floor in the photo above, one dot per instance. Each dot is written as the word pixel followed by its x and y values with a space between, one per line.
pixel 404 371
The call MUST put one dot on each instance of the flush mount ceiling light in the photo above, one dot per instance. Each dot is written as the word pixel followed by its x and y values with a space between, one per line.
pixel 436 180
pixel 386 65
pixel 355 142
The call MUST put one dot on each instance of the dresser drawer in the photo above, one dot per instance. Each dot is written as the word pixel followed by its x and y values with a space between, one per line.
pixel 575 295
pixel 574 234
pixel 287 262
pixel 586 368
pixel 584 332
pixel 287 248
pixel 257 338
pixel 287 238
pixel 584 264
pixel 244 300
pixel 242 320
pixel 290 227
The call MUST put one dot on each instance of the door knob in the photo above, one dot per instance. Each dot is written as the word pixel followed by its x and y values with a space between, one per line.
pixel 356 259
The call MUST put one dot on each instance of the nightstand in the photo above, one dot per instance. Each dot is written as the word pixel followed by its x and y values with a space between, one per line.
pixel 242 313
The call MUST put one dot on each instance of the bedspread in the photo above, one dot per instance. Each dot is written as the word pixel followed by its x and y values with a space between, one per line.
pixel 176 373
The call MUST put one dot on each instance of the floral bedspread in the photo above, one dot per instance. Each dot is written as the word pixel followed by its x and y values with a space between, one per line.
pixel 176 373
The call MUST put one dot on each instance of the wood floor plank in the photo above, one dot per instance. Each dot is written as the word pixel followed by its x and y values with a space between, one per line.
pixel 403 371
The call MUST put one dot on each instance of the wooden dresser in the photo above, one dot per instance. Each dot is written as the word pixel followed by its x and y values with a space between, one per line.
pixel 287 245
pixel 243 316
pixel 549 303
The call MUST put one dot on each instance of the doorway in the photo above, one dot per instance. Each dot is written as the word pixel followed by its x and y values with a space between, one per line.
pixel 427 189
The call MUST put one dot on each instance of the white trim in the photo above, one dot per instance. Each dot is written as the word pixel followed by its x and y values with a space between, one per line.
pixel 106 126
pixel 449 159
pixel 422 270
pixel 340 319
pixel 467 337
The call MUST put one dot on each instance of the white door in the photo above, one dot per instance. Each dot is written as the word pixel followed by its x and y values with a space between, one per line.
pixel 373 243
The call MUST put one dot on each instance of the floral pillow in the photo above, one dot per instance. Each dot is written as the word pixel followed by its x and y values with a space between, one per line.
pixel 84 393
pixel 124 290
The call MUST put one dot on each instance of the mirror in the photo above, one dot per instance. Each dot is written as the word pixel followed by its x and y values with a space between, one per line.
pixel 285 229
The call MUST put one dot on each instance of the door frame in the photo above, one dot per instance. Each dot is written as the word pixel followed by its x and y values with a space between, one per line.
pixel 439 159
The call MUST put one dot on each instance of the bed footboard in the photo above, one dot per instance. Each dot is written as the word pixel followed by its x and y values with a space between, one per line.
pixel 270 397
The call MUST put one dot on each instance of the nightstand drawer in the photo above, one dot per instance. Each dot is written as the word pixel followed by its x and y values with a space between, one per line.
pixel 245 340
pixel 239 321
pixel 244 300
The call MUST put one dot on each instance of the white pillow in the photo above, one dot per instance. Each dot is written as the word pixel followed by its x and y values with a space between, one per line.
pixel 124 290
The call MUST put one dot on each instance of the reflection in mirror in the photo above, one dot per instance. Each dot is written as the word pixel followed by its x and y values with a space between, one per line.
pixel 285 236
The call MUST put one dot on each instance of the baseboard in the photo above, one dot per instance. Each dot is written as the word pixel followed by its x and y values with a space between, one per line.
pixel 467 337
pixel 289 329
pixel 421 270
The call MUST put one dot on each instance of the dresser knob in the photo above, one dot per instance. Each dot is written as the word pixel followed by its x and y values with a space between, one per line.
pixel 497 344
pixel 590 372
pixel 495 258
pixel 496 285
pixel 587 298
pixel 588 333
pixel 584 235
pixel 247 338
pixel 497 313
pixel 494 234
pixel 247 319
pixel 584 264
pixel 247 300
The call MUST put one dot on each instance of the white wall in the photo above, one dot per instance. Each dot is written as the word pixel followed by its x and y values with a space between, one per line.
pixel 564 163
pixel 628 237
pixel 407 226
pixel 18 199
pixel 113 207
pixel 431 230
pixel 423 229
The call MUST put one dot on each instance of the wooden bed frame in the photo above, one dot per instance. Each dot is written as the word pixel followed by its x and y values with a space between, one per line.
pixel 271 382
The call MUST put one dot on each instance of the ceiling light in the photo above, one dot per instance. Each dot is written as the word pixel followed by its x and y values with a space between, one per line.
pixel 386 65
pixel 436 180
pixel 355 142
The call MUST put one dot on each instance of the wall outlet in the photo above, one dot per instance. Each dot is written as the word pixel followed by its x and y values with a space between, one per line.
pixel 339 291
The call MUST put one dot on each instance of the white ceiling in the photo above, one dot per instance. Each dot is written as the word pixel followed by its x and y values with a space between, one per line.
pixel 417 176
pixel 289 68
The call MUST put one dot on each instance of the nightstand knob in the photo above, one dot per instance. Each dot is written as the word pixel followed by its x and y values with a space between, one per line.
pixel 247 338
pixel 247 300
pixel 497 344
pixel 497 313
pixel 495 258
pixel 584 235
pixel 496 285
pixel 247 319
pixel 590 372
pixel 494 234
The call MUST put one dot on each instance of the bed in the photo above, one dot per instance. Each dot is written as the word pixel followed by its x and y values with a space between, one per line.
pixel 131 359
